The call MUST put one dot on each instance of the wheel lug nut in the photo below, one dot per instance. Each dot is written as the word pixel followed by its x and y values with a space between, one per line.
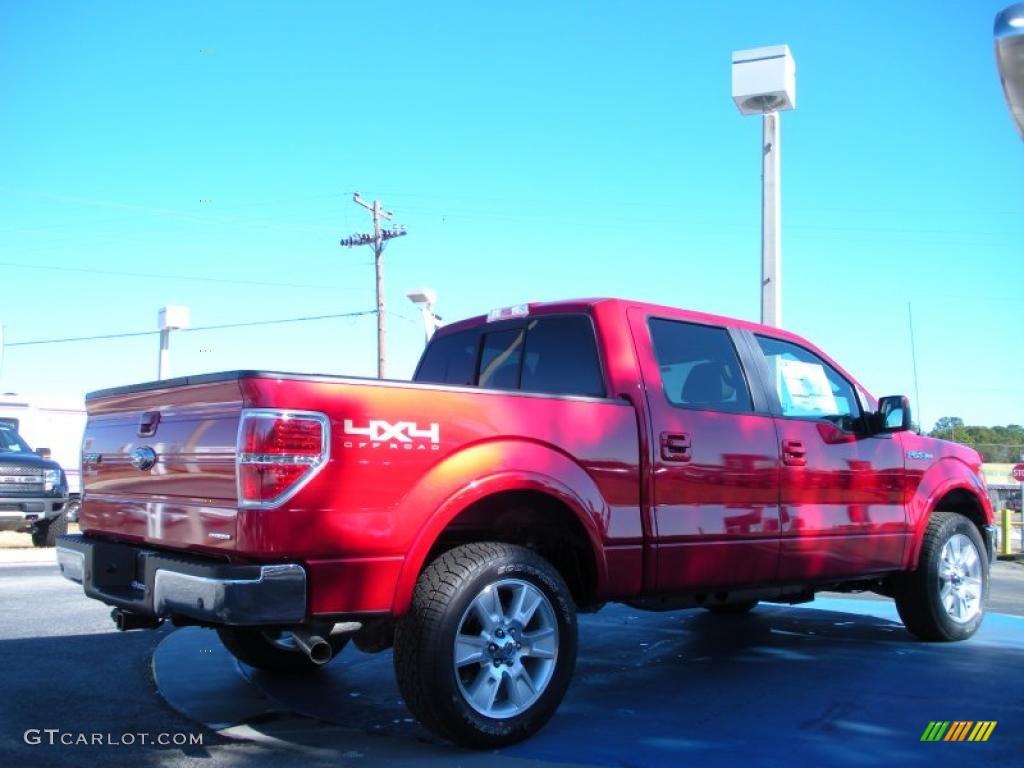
pixel 497 663
pixel 492 647
pixel 500 633
pixel 518 646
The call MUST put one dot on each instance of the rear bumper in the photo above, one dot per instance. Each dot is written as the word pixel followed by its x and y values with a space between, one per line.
pixel 154 583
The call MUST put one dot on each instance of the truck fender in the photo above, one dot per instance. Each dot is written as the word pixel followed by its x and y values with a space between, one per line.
pixel 946 475
pixel 485 469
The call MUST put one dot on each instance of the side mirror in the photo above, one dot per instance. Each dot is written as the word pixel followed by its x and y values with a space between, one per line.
pixel 43 453
pixel 893 414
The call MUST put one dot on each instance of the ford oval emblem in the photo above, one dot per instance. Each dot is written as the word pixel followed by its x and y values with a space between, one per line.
pixel 143 458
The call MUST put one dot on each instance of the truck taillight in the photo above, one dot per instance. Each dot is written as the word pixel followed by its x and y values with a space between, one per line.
pixel 278 453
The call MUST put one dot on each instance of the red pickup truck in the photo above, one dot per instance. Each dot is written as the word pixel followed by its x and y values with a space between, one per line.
pixel 545 459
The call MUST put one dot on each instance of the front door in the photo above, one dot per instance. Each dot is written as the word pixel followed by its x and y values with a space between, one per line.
pixel 841 489
pixel 714 458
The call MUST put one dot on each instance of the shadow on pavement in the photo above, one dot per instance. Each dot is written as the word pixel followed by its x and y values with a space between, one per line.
pixel 839 683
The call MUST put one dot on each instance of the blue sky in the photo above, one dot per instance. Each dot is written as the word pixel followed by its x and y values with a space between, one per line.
pixel 535 151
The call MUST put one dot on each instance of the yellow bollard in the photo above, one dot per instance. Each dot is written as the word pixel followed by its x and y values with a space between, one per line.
pixel 1004 539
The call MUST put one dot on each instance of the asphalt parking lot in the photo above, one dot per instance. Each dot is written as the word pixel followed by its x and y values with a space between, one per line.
pixel 838 682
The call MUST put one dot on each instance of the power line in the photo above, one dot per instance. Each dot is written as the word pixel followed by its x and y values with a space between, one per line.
pixel 196 328
pixel 166 276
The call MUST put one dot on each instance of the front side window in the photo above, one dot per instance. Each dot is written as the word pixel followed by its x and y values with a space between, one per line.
pixel 699 366
pixel 807 386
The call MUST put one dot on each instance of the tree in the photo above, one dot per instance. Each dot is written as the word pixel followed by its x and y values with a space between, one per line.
pixel 995 444
pixel 946 425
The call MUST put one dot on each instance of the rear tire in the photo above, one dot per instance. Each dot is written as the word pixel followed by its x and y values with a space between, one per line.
pixel 486 652
pixel 271 651
pixel 732 609
pixel 944 599
pixel 45 532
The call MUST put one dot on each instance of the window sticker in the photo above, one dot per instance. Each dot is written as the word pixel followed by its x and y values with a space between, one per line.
pixel 804 388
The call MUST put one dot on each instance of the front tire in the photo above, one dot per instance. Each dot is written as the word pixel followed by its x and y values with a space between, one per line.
pixel 270 650
pixel 486 652
pixel 944 599
pixel 45 532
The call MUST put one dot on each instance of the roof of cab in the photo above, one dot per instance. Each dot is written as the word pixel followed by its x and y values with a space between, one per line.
pixel 622 305
pixel 587 305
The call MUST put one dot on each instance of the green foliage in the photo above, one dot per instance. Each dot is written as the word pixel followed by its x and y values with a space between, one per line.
pixel 946 423
pixel 995 444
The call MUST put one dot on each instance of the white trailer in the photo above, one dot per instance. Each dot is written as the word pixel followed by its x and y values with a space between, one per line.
pixel 55 423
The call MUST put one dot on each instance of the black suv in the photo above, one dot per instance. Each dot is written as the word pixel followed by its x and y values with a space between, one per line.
pixel 33 491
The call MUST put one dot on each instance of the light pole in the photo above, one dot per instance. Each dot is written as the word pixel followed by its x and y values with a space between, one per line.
pixel 1009 35
pixel 764 83
pixel 425 299
pixel 170 318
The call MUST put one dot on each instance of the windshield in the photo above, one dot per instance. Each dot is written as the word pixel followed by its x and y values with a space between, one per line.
pixel 11 442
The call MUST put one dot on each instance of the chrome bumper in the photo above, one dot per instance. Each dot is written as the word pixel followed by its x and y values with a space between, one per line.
pixel 18 514
pixel 71 563
pixel 156 583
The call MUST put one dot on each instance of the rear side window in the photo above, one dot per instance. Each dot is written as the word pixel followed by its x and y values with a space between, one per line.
pixel 450 359
pixel 699 366
pixel 561 357
pixel 500 359
pixel 555 355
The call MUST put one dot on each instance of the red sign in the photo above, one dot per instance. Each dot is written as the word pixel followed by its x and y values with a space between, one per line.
pixel 1018 473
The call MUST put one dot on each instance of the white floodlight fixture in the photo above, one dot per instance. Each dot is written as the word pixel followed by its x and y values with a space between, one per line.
pixel 764 80
pixel 423 296
pixel 425 299
pixel 174 317
pixel 1009 42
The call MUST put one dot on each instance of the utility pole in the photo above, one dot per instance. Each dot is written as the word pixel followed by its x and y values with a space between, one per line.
pixel 377 240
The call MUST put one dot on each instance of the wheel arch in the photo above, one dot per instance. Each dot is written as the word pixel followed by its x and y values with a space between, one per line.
pixel 563 503
pixel 945 493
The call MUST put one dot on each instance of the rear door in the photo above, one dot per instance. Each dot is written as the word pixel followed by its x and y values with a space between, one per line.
pixel 715 459
pixel 841 499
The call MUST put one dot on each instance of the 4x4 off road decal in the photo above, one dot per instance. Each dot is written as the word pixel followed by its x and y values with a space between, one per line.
pixel 402 435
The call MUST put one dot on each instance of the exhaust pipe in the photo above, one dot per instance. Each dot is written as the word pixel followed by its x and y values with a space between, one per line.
pixel 126 620
pixel 314 646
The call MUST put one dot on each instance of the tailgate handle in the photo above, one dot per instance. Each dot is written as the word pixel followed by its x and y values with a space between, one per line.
pixel 148 423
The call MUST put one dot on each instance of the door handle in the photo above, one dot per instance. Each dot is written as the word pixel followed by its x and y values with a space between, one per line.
pixel 793 453
pixel 675 446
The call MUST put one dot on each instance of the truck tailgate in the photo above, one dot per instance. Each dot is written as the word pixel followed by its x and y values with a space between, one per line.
pixel 159 465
